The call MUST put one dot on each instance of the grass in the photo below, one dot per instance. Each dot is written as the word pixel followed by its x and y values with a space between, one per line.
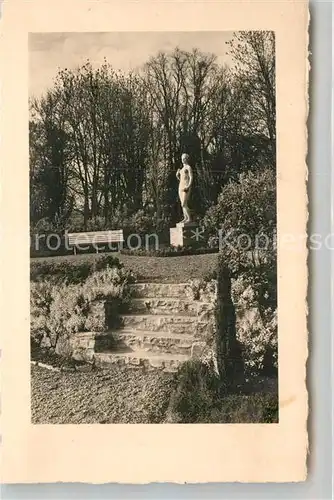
pixel 158 269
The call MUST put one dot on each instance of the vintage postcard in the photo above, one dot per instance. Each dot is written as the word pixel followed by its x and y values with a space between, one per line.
pixel 154 257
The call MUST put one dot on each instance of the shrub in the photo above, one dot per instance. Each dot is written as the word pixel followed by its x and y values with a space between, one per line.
pixel 256 330
pixel 242 409
pixel 96 224
pixel 58 311
pixel 168 251
pixel 246 207
pixel 196 394
pixel 105 261
pixel 108 283
pixel 140 222
pixel 246 216
pixel 41 297
pixel 198 398
pixel 44 225
pixel 68 312
pixel 74 271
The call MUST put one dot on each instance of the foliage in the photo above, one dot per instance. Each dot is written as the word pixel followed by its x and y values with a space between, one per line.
pixel 68 312
pixel 55 310
pixel 104 143
pixel 50 153
pixel 197 393
pixel 202 289
pixel 256 332
pixel 245 215
pixel 106 127
pixel 245 409
pixel 139 222
pixel 198 398
pixel 41 297
pixel 74 271
pixel 168 251
pixel 59 310
pixel 108 283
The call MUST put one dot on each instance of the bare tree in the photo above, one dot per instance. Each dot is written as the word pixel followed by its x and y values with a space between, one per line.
pixel 113 141
pixel 180 87
pixel 50 158
pixel 254 53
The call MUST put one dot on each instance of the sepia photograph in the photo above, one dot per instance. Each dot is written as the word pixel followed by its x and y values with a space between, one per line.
pixel 153 227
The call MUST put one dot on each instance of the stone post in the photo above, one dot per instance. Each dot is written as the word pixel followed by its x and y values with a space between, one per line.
pixel 229 356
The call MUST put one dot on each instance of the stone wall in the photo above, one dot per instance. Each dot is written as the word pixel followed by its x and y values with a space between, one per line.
pixel 204 294
pixel 163 325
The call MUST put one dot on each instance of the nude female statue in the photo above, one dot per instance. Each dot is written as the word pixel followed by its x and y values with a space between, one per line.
pixel 185 178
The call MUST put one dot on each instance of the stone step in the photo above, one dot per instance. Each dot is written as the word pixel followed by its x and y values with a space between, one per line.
pixel 158 342
pixel 143 290
pixel 144 359
pixel 168 305
pixel 177 323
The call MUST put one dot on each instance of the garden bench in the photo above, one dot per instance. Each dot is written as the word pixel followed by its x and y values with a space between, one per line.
pixel 94 238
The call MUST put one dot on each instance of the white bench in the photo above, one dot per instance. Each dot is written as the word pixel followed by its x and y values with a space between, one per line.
pixel 94 238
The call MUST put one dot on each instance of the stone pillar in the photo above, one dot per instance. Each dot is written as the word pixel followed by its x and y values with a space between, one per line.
pixel 229 353
pixel 186 234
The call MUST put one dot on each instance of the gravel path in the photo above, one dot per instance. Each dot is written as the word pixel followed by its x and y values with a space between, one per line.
pixel 104 396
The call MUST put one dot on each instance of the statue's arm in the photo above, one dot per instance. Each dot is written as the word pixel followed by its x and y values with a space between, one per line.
pixel 190 178
pixel 178 174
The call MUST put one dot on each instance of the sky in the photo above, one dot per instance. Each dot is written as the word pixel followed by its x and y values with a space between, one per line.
pixel 124 50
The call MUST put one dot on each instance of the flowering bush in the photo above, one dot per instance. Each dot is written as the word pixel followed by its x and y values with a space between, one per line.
pixel 67 312
pixel 107 283
pixel 256 330
pixel 245 217
pixel 246 207
pixel 41 297
pixel 60 310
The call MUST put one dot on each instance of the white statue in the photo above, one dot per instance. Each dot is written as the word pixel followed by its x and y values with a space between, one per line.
pixel 185 178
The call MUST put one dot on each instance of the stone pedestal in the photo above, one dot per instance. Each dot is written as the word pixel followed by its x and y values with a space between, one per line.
pixel 185 235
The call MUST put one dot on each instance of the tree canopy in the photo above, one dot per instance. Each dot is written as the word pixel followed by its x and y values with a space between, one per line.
pixel 103 142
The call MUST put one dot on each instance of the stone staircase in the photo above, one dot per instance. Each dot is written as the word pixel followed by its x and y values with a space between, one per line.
pixel 162 328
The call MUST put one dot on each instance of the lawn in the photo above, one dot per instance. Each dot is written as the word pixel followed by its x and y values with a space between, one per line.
pixel 159 269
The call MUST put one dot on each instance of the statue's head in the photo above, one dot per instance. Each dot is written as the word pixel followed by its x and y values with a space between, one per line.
pixel 185 158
